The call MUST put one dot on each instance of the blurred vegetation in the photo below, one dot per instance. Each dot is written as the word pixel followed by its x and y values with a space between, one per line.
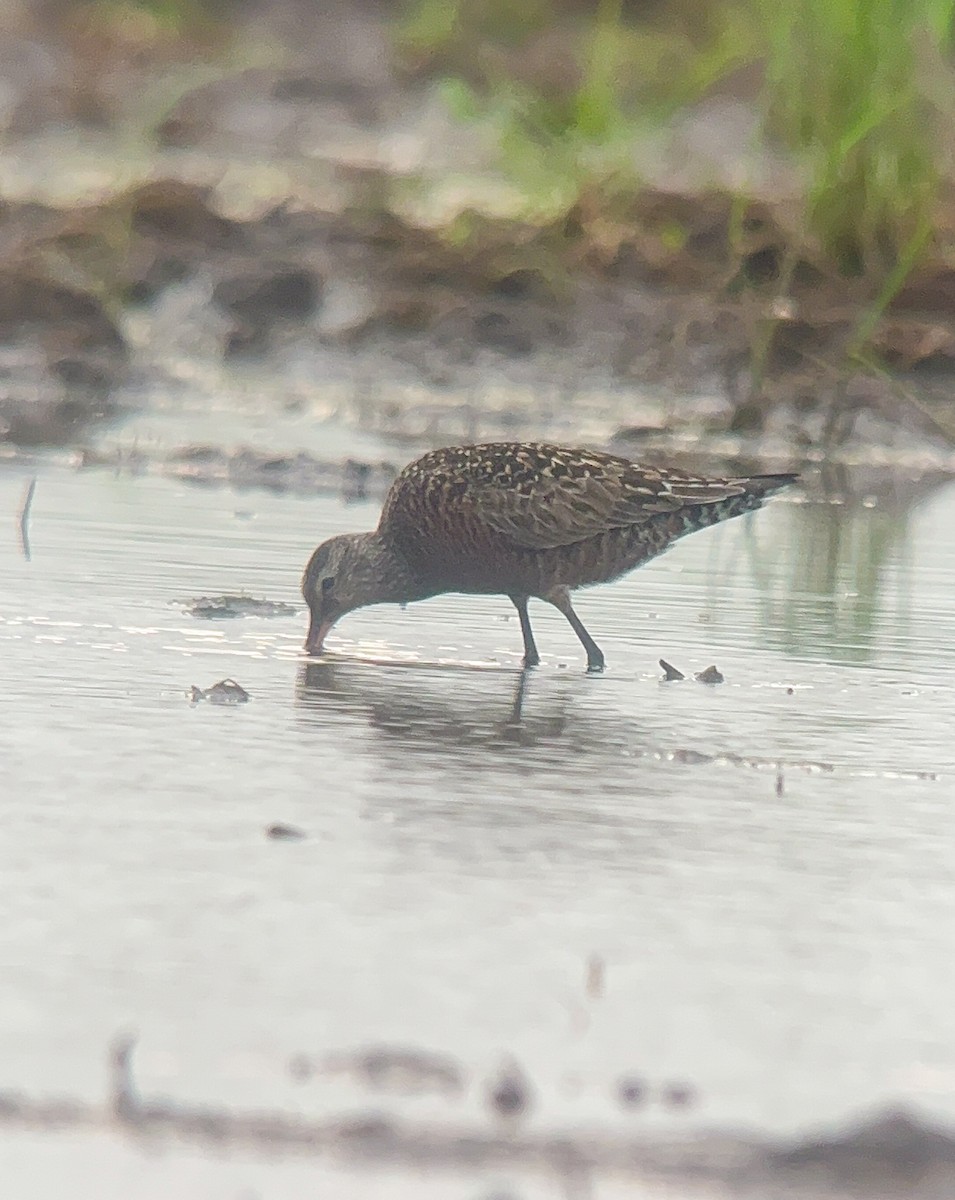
pixel 859 95
pixel 860 91
pixel 791 159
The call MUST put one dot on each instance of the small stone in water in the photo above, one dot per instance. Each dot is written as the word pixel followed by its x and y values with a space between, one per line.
pixel 226 691
pixel 509 1094
pixel 229 607
pixel 285 833
pixel 677 1095
pixel 631 1091
pixel 670 673
pixel 710 675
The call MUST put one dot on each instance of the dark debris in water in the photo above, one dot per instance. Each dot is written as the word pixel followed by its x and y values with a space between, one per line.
pixel 509 1094
pixel 229 607
pixel 226 691
pixel 631 1091
pixel 280 832
pixel 25 518
pixel 889 1154
pixel 397 1069
pixel 672 674
pixel 677 1095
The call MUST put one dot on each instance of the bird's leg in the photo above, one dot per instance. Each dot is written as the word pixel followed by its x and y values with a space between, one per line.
pixel 560 598
pixel 531 657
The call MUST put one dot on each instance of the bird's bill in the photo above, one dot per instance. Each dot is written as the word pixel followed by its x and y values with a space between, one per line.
pixel 317 632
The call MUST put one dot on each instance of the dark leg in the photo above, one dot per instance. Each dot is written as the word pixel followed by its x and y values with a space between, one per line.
pixel 531 657
pixel 560 598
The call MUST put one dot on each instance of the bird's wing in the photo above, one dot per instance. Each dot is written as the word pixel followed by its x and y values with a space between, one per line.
pixel 544 497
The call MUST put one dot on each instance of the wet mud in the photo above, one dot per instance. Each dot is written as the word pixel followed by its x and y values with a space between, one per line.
pixel 889 1154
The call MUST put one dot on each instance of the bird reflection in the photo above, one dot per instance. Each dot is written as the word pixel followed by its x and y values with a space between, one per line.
pixel 428 702
pixel 507 769
pixel 838 566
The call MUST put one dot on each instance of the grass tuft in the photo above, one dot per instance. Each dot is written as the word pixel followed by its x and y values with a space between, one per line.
pixel 857 91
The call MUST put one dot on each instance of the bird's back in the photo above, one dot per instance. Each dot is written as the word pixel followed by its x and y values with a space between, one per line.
pixel 527 517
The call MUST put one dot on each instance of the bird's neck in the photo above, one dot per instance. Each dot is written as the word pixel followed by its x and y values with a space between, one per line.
pixel 394 582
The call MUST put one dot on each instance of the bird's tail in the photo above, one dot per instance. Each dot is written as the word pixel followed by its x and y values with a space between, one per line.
pixel 765 485
pixel 748 493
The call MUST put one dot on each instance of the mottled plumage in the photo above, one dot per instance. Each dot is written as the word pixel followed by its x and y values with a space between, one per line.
pixel 520 519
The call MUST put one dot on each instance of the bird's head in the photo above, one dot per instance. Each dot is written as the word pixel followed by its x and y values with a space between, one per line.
pixel 348 572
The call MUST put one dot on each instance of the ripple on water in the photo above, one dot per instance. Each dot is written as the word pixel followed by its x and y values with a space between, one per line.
pixel 765 866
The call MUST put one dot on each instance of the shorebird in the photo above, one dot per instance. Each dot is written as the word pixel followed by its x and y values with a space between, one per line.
pixel 519 519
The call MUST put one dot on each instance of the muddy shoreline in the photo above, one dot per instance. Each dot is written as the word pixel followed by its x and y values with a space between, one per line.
pixel 331 208
pixel 889 1153
pixel 380 307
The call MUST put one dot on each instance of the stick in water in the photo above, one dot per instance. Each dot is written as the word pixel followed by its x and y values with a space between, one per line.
pixel 25 518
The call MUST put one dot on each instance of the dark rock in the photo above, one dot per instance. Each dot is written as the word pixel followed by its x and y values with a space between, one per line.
pixel 226 691
pixel 631 1091
pixel 280 832
pixel 229 607
pixel 509 1095
pixel 677 1095
pixel 691 757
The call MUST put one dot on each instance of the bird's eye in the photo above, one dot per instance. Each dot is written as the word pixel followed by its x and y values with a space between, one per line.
pixel 327 584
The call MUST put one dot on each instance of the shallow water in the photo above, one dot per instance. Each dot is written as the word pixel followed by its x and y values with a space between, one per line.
pixel 765 868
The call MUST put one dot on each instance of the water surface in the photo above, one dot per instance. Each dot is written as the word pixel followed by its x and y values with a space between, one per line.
pixel 765 867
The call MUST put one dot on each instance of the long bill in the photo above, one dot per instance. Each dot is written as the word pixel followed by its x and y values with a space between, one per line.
pixel 317 632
